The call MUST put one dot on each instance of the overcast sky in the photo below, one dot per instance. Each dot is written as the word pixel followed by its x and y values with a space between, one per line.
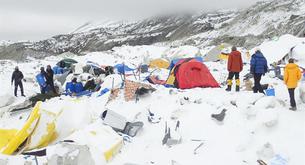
pixel 40 19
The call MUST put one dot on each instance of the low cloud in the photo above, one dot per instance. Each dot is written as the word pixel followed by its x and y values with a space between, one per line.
pixel 36 19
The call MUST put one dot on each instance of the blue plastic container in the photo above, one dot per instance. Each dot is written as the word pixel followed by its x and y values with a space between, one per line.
pixel 103 92
pixel 270 92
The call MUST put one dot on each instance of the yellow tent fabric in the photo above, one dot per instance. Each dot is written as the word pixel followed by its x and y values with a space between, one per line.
pixel 21 135
pixel 99 138
pixel 159 63
pixel 6 135
pixel 45 131
pixel 110 153
pixel 171 78
pixel 223 56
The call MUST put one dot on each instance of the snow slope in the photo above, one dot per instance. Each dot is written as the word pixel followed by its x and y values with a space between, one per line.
pixel 255 126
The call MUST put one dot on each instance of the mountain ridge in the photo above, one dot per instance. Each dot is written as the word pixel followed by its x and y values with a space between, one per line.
pixel 245 28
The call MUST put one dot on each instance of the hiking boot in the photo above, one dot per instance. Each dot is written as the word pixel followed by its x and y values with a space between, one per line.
pixel 229 88
pixel 293 108
pixel 237 89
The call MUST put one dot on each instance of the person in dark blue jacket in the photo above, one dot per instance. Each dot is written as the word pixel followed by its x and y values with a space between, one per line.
pixel 258 67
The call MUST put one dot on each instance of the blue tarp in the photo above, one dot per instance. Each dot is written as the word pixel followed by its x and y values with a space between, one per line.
pixel 122 68
pixel 103 92
pixel 70 87
pixel 77 89
pixel 174 61
pixel 84 93
pixel 58 70
pixel 74 88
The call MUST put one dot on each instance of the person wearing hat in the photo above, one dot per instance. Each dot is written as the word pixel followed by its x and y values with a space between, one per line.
pixel 43 89
pixel 17 77
pixel 235 66
pixel 258 67
pixel 49 78
pixel 90 84
pixel 292 75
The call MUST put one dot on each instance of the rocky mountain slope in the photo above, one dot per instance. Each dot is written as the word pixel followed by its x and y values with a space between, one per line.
pixel 243 28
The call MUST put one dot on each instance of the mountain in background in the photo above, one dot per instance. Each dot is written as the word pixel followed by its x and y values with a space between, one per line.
pixel 246 28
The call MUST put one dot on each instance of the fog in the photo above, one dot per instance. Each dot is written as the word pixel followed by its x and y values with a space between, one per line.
pixel 40 19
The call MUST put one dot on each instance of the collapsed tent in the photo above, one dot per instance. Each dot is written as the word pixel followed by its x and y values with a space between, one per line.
pixel 159 63
pixel 132 90
pixel 298 53
pixel 11 139
pixel 66 63
pixel 101 140
pixel 224 56
pixel 281 49
pixel 93 68
pixel 216 54
pixel 190 73
pixel 62 77
pixel 48 124
pixel 58 70
pixel 122 68
pixel 155 80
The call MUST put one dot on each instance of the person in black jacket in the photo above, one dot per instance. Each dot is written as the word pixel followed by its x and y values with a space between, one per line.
pixel 90 84
pixel 17 77
pixel 49 78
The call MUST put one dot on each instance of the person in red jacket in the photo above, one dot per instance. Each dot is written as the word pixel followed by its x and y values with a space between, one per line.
pixel 235 66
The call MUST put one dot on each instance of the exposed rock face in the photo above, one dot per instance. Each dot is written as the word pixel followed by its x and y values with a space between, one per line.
pixel 243 28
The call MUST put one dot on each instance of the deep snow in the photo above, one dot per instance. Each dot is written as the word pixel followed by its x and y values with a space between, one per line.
pixel 251 121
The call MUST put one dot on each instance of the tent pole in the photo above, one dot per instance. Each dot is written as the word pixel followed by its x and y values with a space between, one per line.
pixel 140 70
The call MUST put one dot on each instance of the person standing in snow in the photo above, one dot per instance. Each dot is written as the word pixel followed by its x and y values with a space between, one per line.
pixel 235 66
pixel 43 73
pixel 17 77
pixel 292 75
pixel 49 78
pixel 258 67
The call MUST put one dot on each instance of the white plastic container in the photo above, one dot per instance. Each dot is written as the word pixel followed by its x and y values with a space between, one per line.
pixel 115 120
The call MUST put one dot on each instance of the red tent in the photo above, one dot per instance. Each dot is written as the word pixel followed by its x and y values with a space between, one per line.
pixel 191 73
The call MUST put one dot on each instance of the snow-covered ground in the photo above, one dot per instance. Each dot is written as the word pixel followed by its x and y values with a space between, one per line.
pixel 255 126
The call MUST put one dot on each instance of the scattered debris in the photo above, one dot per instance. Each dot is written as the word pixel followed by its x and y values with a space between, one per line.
pixel 152 118
pixel 71 154
pixel 233 103
pixel 219 117
pixel 132 129
pixel 197 140
pixel 279 160
pixel 261 162
pixel 172 138
pixel 184 100
pixel 195 150
pixel 198 101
